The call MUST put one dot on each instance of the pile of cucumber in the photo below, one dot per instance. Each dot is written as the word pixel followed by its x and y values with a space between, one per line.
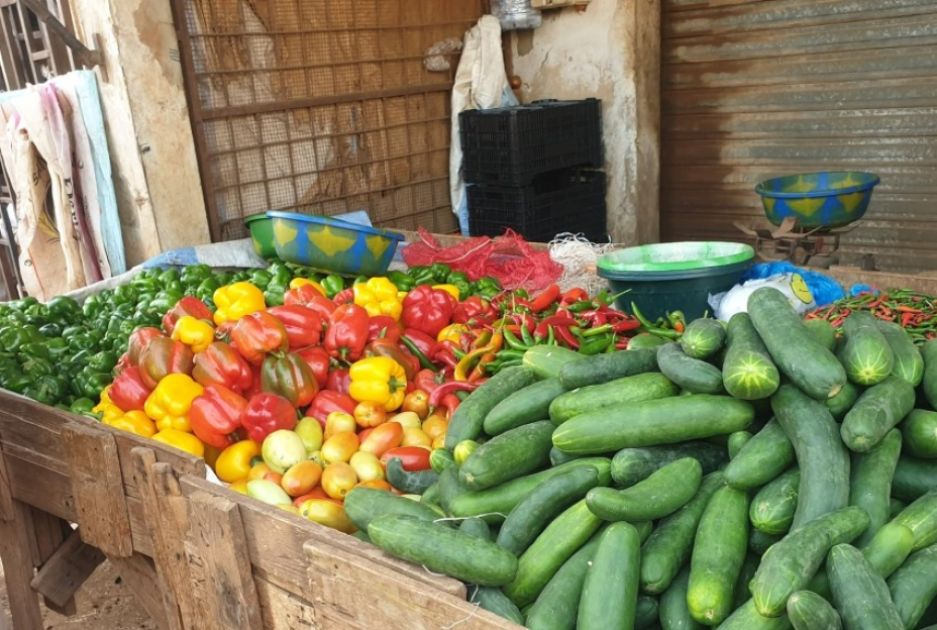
pixel 763 474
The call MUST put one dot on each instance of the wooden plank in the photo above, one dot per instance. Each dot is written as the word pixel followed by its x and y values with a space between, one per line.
pixel 35 484
pixel 66 570
pixel 182 463
pixel 225 586
pixel 98 489
pixel 283 610
pixel 50 533
pixel 15 544
pixel 139 575
pixel 6 492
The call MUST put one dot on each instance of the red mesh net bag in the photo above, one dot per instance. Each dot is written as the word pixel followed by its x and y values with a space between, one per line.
pixel 509 258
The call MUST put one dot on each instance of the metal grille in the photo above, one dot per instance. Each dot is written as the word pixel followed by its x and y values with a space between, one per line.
pixel 321 106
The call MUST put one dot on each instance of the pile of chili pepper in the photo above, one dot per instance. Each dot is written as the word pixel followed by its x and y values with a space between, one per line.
pixel 914 311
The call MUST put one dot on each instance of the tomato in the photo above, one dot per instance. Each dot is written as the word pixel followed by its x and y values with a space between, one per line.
pixel 416 437
pixel 435 425
pixel 338 479
pixel 439 441
pixel 239 486
pixel 412 457
pixel 381 438
pixel 327 513
pixel 417 401
pixel 301 478
pixel 258 471
pixel 376 484
pixel 367 466
pixel 315 493
pixel 268 492
pixel 310 432
pixel 282 449
pixel 340 447
pixel 407 419
pixel 339 422
pixel 370 414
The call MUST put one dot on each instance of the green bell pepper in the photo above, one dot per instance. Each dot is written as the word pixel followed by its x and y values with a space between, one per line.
pixel 124 294
pixel 103 361
pixel 260 278
pixel 81 341
pixel 273 296
pixel 35 367
pixel 89 383
pixel 402 281
pixel 440 272
pixel 82 405
pixel 57 348
pixel 13 337
pixel 333 285
pixel 35 349
pixel 46 389
pixel 51 330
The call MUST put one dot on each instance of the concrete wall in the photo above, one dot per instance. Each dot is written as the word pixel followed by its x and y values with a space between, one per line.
pixel 156 175
pixel 610 49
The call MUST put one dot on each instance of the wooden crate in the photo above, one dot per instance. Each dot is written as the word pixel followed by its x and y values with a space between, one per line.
pixel 196 554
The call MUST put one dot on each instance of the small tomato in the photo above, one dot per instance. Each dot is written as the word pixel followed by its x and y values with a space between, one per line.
pixel 416 437
pixel 301 478
pixel 376 484
pixel 407 419
pixel 367 466
pixel 370 414
pixel 417 401
pixel 439 441
pixel 338 479
pixel 281 449
pixel 340 447
pixel 339 422
pixel 258 471
pixel 327 513
pixel 435 425
pixel 383 437
pixel 268 492
pixel 239 486
pixel 411 457
pixel 315 493
pixel 310 432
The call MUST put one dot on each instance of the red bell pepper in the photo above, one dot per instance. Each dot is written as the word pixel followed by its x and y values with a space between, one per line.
pixel 413 458
pixel 216 415
pixel 257 334
pixel 347 332
pixel 390 349
pixel 427 309
pixel 289 376
pixel 383 327
pixel 188 305
pixel 128 391
pixel 318 361
pixel 475 310
pixel 427 381
pixel 139 340
pixel 221 364
pixel 339 381
pixel 327 401
pixel 303 325
pixel 308 296
pixel 267 413
pixel 164 356
pixel 345 296
pixel 423 342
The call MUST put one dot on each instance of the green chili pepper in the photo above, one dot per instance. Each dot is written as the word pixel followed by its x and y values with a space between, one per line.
pixel 422 358
pixel 512 340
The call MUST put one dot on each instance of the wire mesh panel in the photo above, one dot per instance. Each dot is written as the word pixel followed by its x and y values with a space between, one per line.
pixel 323 106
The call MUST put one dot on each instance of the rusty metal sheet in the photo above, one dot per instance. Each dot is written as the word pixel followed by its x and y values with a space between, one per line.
pixel 758 89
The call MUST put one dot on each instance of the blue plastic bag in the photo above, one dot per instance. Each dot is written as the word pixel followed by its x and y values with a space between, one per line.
pixel 825 289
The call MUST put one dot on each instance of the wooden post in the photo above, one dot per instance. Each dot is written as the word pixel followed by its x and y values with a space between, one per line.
pixel 225 587
pixel 15 552
pixel 139 575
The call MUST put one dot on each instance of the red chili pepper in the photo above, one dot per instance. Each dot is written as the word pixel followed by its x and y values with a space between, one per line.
pixel 308 296
pixel 128 391
pixel 440 391
pixel 906 320
pixel 187 305
pixel 545 298
pixel 216 415
pixel 907 309
pixel 595 318
pixel 257 334
pixel 565 336
pixel 622 344
pixel 559 319
pixel 164 356
pixel 450 402
pixel 319 363
pixel 327 401
pixel 267 413
pixel 474 309
pixel 383 327
pixel 347 333
pixel 574 295
pixel 139 340
pixel 303 325
pixel 626 325
pixel 221 364
pixel 290 377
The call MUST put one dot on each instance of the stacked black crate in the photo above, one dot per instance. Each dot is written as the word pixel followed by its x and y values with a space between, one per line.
pixel 535 169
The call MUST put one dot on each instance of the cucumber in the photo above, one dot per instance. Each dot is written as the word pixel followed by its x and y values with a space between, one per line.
pixel 860 594
pixel 929 382
pixel 895 506
pixel 431 496
pixel 558 457
pixel 668 547
pixel 664 492
pixel 524 406
pixel 913 477
pixel 809 611
pixel 822 331
pixel 563 536
pixel 920 433
pixel 763 458
pixel 741 593
pixel 501 499
pixel 441 459
pixel 646 612
pixel 748 372
pixel 877 411
pixel 448 488
pixel 653 422
pixel 772 509
pixel 674 614
pixel 631 465
pixel 759 542
pixel 822 458
pixel 718 554
pixel 889 548
pixel 645 340
pixel 537 509
pixel 409 482
pixel 443 550
pixel 620 392
pixel 508 456
pixel 474 526
pixel 736 441
pixel 909 364
pixel 693 375
pixel 914 585
pixel 602 368
pixel 546 361
pixel 610 591
pixel 797 354
pixel 866 355
pixel 495 601
pixel 921 518
pixel 840 404
pixel 363 505
pixel 745 617
pixel 870 486
pixel 790 563
pixel 558 604
pixel 703 338
pixel 469 417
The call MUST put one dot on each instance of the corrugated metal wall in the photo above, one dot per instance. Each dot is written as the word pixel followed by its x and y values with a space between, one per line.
pixel 755 89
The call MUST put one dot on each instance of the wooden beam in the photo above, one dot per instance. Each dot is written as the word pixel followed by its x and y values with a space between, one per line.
pixel 50 533
pixel 66 570
pixel 16 555
pixel 139 575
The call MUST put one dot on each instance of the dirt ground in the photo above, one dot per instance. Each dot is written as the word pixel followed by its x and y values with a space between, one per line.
pixel 104 603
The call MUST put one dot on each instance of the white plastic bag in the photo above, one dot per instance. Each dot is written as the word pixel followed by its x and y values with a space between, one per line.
pixel 735 300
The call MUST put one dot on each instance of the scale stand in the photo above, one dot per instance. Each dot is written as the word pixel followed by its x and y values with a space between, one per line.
pixel 816 247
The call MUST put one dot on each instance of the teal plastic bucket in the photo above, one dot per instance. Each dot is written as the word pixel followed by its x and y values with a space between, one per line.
pixel 666 277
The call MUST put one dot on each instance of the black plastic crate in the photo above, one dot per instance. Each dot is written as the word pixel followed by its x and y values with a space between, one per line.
pixel 512 145
pixel 568 201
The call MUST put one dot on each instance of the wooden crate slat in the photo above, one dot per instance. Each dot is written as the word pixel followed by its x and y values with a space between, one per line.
pixel 66 570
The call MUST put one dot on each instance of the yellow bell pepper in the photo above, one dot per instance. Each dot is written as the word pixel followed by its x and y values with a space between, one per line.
pixel 195 333
pixel 239 486
pixel 182 441
pixel 295 283
pixel 106 395
pixel 106 408
pixel 378 296
pixel 235 461
pixel 451 289
pixel 170 402
pixel 378 379
pixel 234 301
pixel 134 422
pixel 453 333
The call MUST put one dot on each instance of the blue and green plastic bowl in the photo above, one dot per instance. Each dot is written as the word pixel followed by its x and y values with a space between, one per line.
pixel 665 277
pixel 332 245
pixel 825 199
pixel 261 229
